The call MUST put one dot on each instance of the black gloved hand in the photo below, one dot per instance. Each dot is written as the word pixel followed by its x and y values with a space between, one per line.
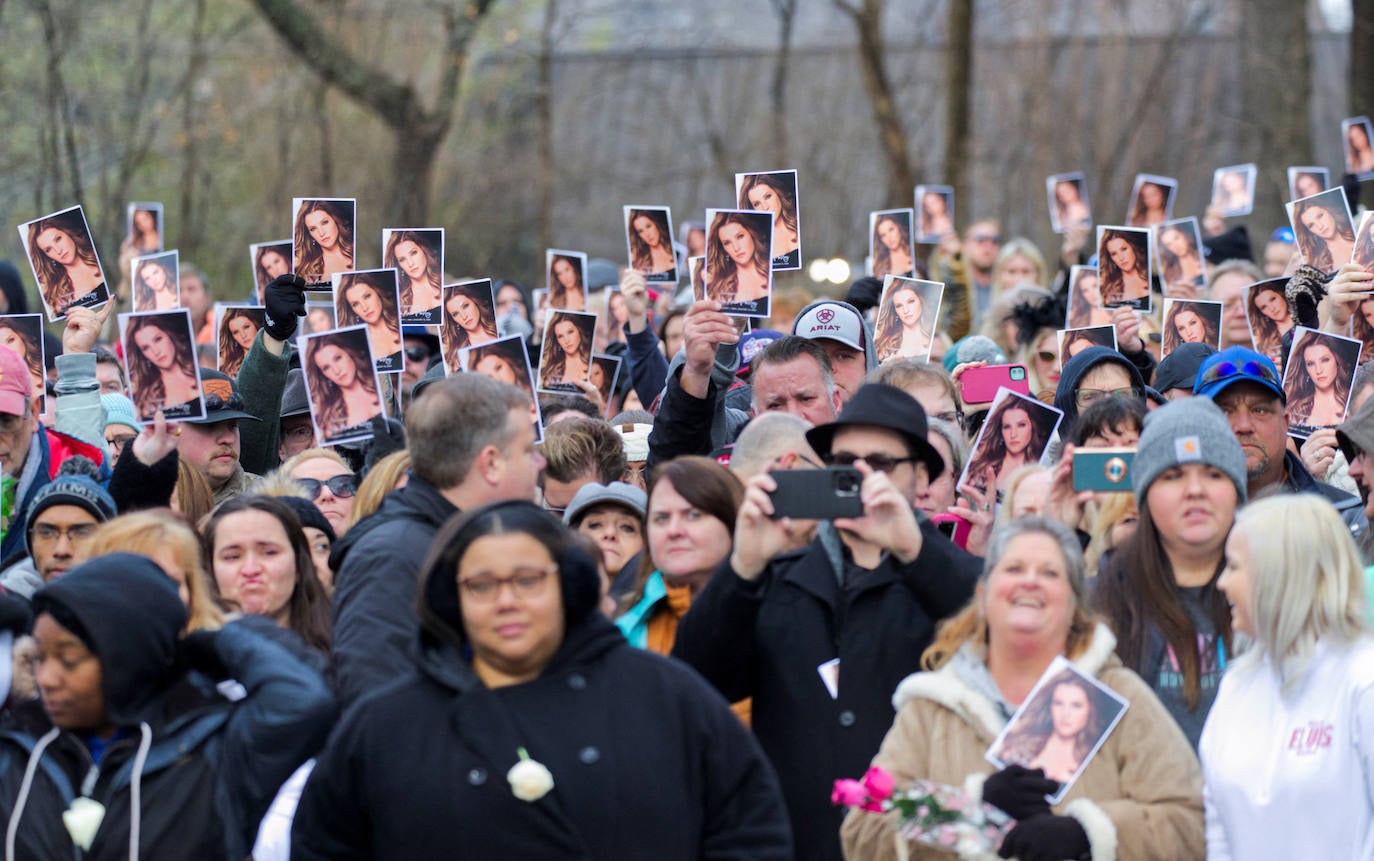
pixel 388 435
pixel 284 300
pixel 198 652
pixel 1046 838
pixel 1019 792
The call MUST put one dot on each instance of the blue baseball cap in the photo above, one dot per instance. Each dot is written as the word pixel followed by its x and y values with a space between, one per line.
pixel 1237 365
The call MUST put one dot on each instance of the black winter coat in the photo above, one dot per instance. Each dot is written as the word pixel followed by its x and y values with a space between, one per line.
pixel 648 763
pixel 767 639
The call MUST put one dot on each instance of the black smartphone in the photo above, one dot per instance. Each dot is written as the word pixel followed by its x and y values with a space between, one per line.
pixel 818 494
pixel 1104 469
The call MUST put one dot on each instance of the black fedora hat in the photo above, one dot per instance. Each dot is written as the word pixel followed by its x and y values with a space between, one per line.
pixel 883 406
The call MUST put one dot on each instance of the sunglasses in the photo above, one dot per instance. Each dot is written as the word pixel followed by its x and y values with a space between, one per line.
pixel 986 237
pixel 880 462
pixel 342 486
pixel 1226 370
pixel 418 354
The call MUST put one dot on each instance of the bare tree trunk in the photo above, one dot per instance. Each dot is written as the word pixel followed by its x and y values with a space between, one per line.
pixel 958 103
pixel 787 14
pixel 548 171
pixel 63 140
pixel 190 219
pixel 1276 54
pixel 873 63
pixel 418 130
pixel 1362 58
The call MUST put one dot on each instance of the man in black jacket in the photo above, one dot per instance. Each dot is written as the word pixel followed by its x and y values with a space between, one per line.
pixel 821 636
pixel 471 441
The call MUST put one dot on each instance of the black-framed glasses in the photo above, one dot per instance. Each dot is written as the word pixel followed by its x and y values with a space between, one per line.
pixel 1248 368
pixel 342 486
pixel 880 462
pixel 1084 397
pixel 527 582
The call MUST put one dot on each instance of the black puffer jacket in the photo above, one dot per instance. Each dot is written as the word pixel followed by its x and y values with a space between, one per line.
pixel 204 765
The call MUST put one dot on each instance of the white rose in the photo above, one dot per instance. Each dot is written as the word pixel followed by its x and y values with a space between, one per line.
pixel 529 780
pixel 83 820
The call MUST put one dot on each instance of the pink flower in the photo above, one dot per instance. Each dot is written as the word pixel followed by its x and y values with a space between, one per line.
pixel 879 784
pixel 849 793
pixel 872 806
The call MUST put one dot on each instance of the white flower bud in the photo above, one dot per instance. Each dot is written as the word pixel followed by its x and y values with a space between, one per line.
pixel 83 820
pixel 529 780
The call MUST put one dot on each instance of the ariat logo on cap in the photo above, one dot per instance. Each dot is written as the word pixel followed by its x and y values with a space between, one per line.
pixel 1187 449
pixel 825 315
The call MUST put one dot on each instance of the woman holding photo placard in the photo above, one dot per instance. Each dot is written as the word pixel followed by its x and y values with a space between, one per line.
pixel 1138 797
pixel 1286 753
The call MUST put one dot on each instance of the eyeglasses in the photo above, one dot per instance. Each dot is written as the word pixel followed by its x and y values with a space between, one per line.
pixel 880 462
pixel 986 237
pixel 1226 370
pixel 46 532
pixel 527 582
pixel 342 486
pixel 418 354
pixel 954 417
pixel 118 441
pixel 1084 397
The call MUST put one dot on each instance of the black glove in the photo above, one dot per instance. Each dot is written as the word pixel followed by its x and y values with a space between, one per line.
pixel 388 436
pixel 284 300
pixel 198 652
pixel 1046 838
pixel 1019 791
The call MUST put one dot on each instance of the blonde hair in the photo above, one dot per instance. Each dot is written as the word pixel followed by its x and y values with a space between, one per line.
pixel 289 465
pixel 146 532
pixel 278 483
pixel 1105 518
pixel 1014 482
pixel 194 499
pixel 1306 581
pixel 971 625
pixel 380 480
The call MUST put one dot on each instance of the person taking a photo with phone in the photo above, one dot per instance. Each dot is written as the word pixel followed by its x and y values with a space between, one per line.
pixel 820 636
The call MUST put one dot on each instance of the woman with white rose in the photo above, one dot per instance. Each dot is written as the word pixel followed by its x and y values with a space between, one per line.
pixel 532 729
pixel 132 751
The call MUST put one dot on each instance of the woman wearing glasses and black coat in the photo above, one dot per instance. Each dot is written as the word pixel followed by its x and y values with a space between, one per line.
pixel 533 729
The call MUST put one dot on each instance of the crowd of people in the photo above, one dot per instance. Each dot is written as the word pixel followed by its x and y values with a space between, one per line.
pixel 565 617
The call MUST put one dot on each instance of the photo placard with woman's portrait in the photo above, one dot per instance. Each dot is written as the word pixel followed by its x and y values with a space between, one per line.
pixel 236 328
pixel 649 239
pixel 1123 268
pixel 1190 321
pixel 1364 241
pixel 739 272
pixel 1085 300
pixel 775 191
pixel 1318 378
pixel 319 317
pixel 1233 189
pixel 156 280
pixel 1307 180
pixel 341 383
pixel 1068 197
pixel 567 279
pixel 907 316
pixel 565 357
pixel 1357 139
pixel 1074 341
pixel 269 260
pixel 371 297
pixel 506 360
pixel 1268 315
pixel 62 256
pixel 1060 726
pixel 605 372
pixel 469 320
pixel 1362 314
pixel 143 227
pixel 934 213
pixel 160 363
pixel 1323 228
pixel 1017 432
pixel 891 250
pixel 417 255
pixel 1152 200
pixel 323 239
pixel 614 316
pixel 23 333
pixel 1182 258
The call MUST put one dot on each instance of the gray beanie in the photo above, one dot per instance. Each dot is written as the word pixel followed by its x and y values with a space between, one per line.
pixel 1189 430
